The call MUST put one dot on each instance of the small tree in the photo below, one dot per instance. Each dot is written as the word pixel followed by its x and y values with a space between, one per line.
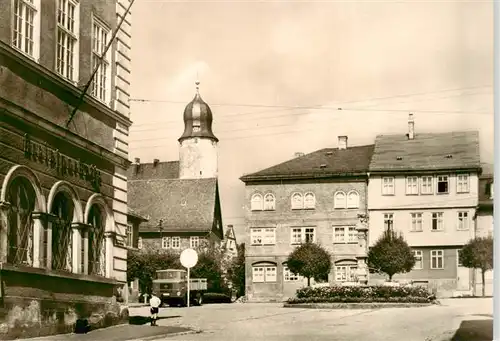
pixel 210 266
pixel 236 271
pixel 311 261
pixel 478 254
pixel 391 255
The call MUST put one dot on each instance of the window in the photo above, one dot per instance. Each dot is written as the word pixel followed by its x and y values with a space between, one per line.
pixel 261 274
pixel 418 254
pixel 20 234
pixel 340 200
pixel 411 185
pixel 176 242
pixel 62 233
pixel 437 259
pixel 442 184
pixel 309 201
pixel 491 190
pixel 194 242
pixel 459 263
pixel 26 27
pixel 437 221
pixel 353 199
pixel 387 186
pixel 345 273
pixel 426 185
pixel 289 276
pixel 130 235
pixel 297 201
pixel 416 222
pixel 269 202
pixel 462 183
pixel 347 234
pixel 101 84
pixel 67 39
pixel 257 203
pixel 263 236
pixel 97 242
pixel 388 221
pixel 302 235
pixel 166 243
pixel 139 243
pixel 463 221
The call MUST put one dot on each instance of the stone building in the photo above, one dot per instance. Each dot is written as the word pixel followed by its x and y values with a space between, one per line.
pixel 63 201
pixel 425 185
pixel 181 198
pixel 319 197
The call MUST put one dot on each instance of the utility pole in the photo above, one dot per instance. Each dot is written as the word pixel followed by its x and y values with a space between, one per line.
pixel 82 95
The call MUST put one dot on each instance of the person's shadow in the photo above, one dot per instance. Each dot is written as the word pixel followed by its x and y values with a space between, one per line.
pixel 140 320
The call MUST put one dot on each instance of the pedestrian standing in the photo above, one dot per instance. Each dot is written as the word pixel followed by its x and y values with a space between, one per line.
pixel 154 303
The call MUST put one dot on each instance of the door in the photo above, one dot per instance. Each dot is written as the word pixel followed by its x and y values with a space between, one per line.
pixel 463 276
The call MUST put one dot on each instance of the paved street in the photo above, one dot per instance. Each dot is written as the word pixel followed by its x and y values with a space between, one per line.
pixel 272 322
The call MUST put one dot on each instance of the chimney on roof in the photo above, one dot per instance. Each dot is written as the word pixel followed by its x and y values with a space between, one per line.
pixel 155 162
pixel 342 142
pixel 137 165
pixel 137 161
pixel 411 127
pixel 299 154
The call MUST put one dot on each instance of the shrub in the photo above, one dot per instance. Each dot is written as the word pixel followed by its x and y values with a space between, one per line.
pixel 362 294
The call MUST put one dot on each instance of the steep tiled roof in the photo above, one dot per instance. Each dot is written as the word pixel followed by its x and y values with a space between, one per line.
pixel 134 214
pixel 322 163
pixel 427 151
pixel 147 171
pixel 182 204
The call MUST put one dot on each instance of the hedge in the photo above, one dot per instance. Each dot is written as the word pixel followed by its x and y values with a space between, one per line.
pixel 365 294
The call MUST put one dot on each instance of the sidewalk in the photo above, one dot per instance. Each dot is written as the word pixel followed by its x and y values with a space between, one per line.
pixel 120 333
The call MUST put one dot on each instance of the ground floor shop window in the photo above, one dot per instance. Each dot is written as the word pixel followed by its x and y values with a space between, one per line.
pixel 62 233
pixel 264 273
pixel 97 242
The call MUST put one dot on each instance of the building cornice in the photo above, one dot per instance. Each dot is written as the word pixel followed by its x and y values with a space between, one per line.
pixel 56 80
pixel 303 176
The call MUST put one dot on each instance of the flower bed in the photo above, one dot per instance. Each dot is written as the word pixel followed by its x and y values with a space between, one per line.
pixel 363 294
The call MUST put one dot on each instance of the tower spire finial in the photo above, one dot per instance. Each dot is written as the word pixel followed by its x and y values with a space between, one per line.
pixel 197 82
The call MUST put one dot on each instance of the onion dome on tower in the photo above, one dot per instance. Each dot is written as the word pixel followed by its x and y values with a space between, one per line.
pixel 198 119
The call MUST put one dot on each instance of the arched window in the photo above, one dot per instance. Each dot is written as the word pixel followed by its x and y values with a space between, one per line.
pixel 309 201
pixel 264 272
pixel 345 270
pixel 21 196
pixel 340 200
pixel 297 201
pixel 96 240
pixel 257 203
pixel 62 233
pixel 269 202
pixel 353 199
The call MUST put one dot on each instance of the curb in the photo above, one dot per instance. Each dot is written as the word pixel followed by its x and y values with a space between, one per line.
pixel 356 305
pixel 162 337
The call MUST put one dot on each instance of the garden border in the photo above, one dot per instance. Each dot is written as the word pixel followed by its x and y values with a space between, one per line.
pixel 373 305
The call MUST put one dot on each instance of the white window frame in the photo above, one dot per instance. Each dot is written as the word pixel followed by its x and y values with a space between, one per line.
pixel 349 235
pixel 19 37
pixel 130 235
pixel 388 184
pixel 463 217
pixel 419 255
pixel 417 222
pixel 271 274
pixel 353 199
pixel 289 276
pixel 302 232
pixel 311 203
pixel 166 243
pixel 257 202
pixel 412 185
pixel 388 217
pixel 345 272
pixel 68 33
pixel 297 205
pixel 437 217
pixel 463 183
pixel 437 254
pixel 176 242
pixel 260 236
pixel 139 243
pixel 426 185
pixel 439 179
pixel 340 200
pixel 264 273
pixel 272 202
pixel 101 85
pixel 194 242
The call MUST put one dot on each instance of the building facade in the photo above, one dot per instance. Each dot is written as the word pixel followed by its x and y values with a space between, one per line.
pixel 317 197
pixel 426 186
pixel 63 203
pixel 181 198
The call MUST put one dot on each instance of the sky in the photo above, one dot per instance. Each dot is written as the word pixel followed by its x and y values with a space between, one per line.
pixel 290 76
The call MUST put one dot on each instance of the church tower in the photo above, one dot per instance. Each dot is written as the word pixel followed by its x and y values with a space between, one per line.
pixel 198 144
